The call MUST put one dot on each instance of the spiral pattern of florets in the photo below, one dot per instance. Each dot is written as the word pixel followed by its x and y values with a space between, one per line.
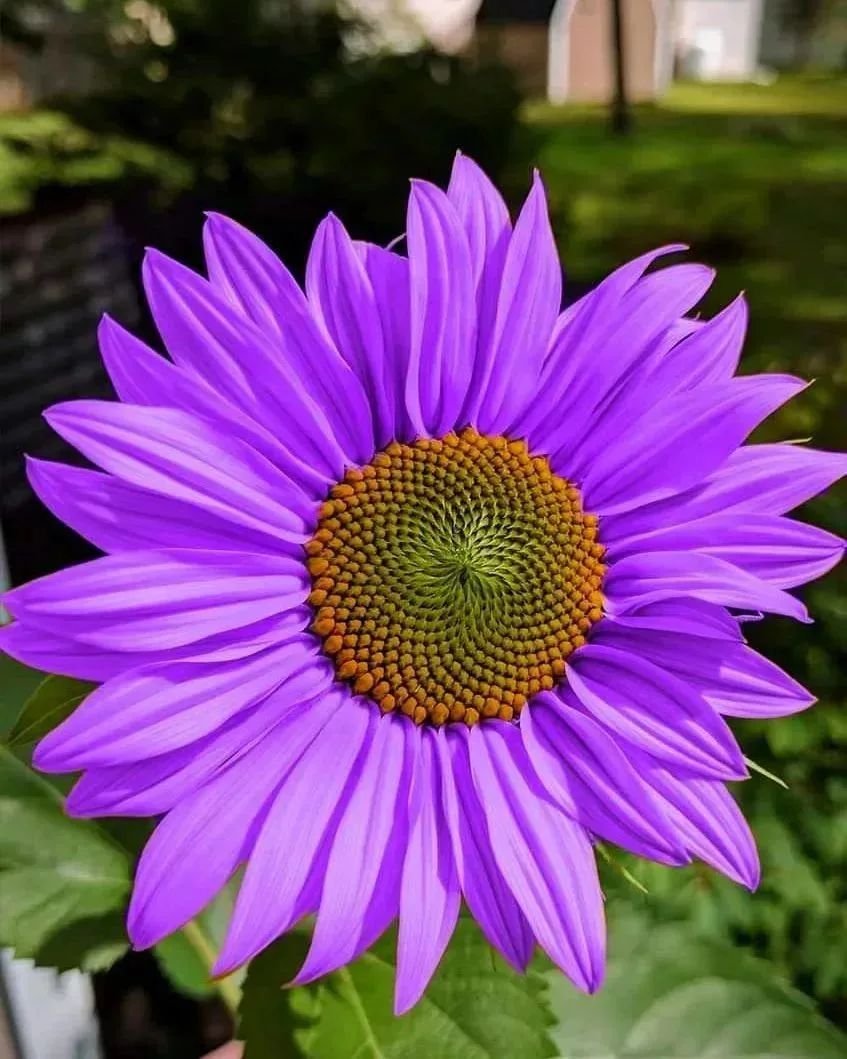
pixel 452 577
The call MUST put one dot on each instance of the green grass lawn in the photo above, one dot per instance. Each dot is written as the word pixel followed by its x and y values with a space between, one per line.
pixel 754 179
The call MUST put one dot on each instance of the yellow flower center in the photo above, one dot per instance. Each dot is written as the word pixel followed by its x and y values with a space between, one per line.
pixel 452 577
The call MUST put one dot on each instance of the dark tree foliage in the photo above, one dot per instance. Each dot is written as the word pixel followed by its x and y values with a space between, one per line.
pixel 280 114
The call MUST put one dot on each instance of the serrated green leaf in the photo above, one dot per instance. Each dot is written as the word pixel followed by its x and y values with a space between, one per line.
pixel 53 700
pixel 53 870
pixel 673 995
pixel 476 1007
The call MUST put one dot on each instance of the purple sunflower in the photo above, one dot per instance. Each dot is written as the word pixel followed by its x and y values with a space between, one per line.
pixel 417 587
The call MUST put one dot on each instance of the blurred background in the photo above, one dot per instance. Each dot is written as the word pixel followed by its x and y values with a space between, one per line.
pixel 718 123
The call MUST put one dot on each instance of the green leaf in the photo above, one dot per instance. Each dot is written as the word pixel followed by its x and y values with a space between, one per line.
pixel 184 965
pixel 53 700
pixel 274 1021
pixel 91 944
pixel 476 1007
pixel 671 994
pixel 17 682
pixel 53 870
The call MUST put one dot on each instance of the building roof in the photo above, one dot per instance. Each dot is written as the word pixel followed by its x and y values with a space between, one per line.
pixel 505 11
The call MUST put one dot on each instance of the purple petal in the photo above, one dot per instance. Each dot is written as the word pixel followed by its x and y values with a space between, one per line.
pixel 688 354
pixel 117 516
pixel 681 440
pixel 443 317
pixel 360 894
pixel 545 857
pixel 484 889
pixel 185 458
pixel 734 678
pixel 484 216
pixel 762 479
pixel 154 786
pixel 253 278
pixel 53 653
pixel 429 891
pixel 58 654
pixel 342 298
pixel 141 376
pixel 612 331
pixel 708 821
pixel 778 550
pixel 649 707
pixel 159 708
pixel 634 582
pixel 204 332
pixel 589 776
pixel 300 820
pixel 199 844
pixel 691 616
pixel 529 301
pixel 710 353
pixel 145 601
pixel 389 276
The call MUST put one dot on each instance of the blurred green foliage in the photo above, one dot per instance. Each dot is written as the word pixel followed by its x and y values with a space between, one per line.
pixel 273 112
pixel 754 179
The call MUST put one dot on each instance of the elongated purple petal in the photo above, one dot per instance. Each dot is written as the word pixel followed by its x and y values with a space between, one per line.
pixel 692 616
pixel 59 654
pixel 687 355
pixel 681 440
pixel 779 550
pixel 638 580
pixel 183 457
pixel 483 214
pixel 527 307
pixel 707 819
pixel 710 353
pixel 343 299
pixel 204 332
pixel 442 319
pixel 145 601
pixel 155 785
pixel 615 326
pixel 252 277
pixel 647 706
pixel 117 516
pixel 483 886
pixel 141 376
pixel 165 707
pixel 68 657
pixel 199 844
pixel 733 677
pixel 763 479
pixel 303 816
pixel 360 894
pixel 544 856
pixel 429 891
pixel 589 776
pixel 570 353
pixel 389 276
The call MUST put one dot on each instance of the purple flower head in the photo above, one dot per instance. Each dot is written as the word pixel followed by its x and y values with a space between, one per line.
pixel 415 586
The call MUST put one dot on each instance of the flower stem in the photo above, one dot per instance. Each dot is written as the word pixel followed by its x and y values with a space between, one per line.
pixel 227 987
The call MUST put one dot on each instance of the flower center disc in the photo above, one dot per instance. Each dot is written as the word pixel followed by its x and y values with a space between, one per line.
pixel 452 577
